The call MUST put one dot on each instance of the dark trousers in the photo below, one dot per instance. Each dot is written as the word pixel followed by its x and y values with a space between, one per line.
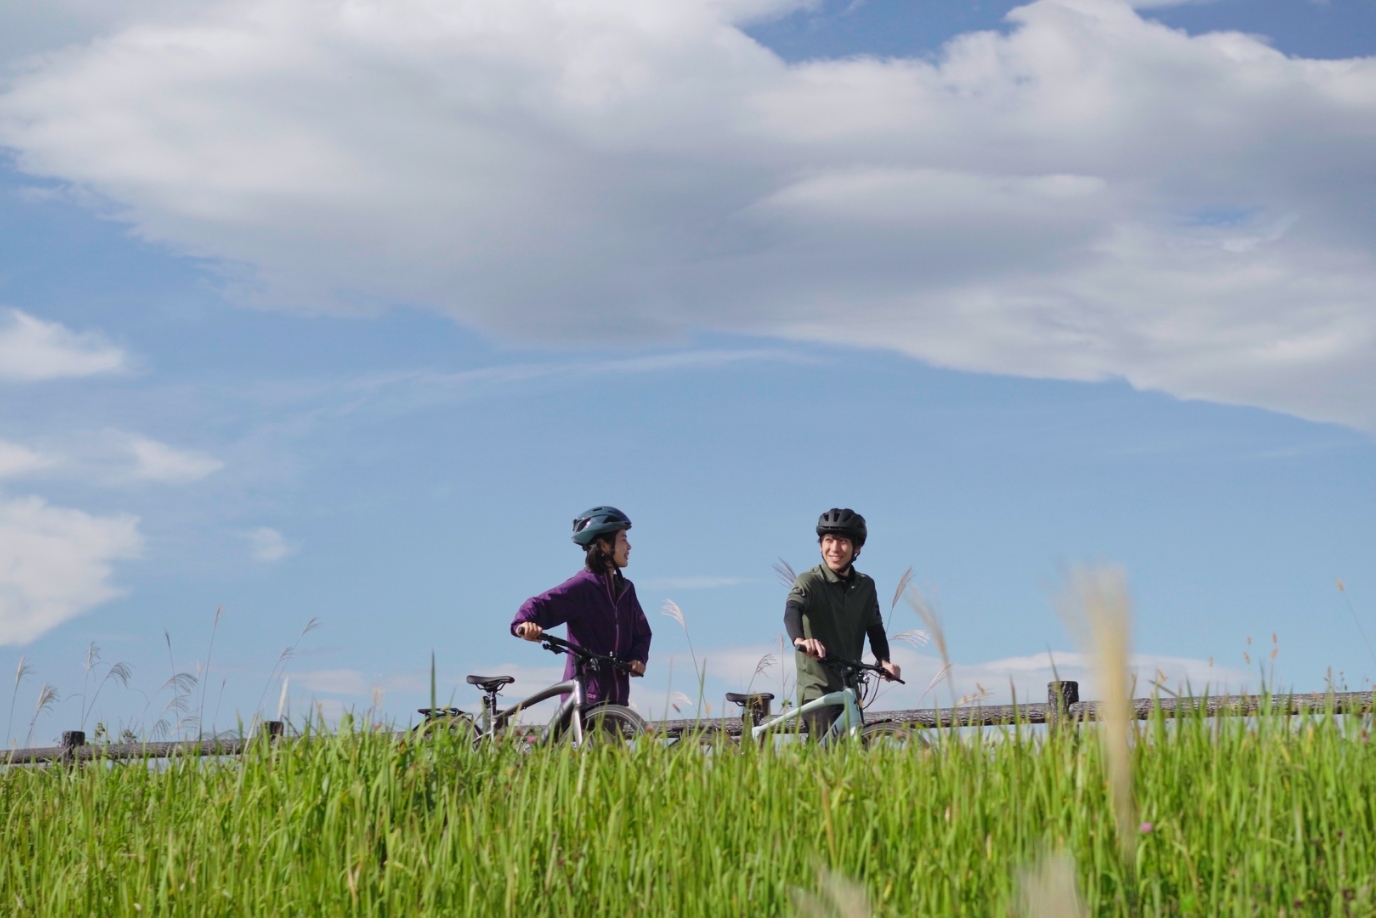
pixel 820 721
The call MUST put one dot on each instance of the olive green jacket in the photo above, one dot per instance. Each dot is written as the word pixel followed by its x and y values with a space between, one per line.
pixel 836 612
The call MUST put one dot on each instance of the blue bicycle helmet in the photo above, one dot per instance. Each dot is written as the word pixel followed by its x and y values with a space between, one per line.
pixel 591 525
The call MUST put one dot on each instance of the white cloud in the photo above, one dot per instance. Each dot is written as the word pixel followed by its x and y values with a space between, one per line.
pixel 335 681
pixel 354 684
pixel 1030 675
pixel 55 563
pixel 1091 195
pixel 733 668
pixel 157 461
pixel 110 457
pixel 410 389
pixel 32 350
pixel 269 546
pixel 16 460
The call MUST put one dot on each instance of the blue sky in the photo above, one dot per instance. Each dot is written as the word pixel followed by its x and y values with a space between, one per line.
pixel 359 354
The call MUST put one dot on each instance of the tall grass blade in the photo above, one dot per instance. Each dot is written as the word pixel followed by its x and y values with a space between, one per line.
pixel 210 652
pixel 1356 621
pixel 671 609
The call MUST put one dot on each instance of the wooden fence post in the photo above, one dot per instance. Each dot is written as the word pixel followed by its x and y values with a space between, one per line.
pixel 1060 696
pixel 71 740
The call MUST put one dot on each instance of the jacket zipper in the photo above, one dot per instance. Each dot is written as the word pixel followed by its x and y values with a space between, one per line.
pixel 616 615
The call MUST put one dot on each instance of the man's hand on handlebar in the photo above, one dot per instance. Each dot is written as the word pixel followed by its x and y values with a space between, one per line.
pixel 812 647
pixel 891 671
pixel 529 631
pixel 637 668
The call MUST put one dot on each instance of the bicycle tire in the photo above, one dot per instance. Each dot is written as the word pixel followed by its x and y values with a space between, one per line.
pixel 461 728
pixel 611 725
pixel 891 736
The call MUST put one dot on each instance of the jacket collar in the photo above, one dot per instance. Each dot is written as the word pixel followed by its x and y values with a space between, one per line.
pixel 619 581
pixel 830 576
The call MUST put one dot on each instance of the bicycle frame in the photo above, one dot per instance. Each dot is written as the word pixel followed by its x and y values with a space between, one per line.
pixel 849 723
pixel 569 716
pixel 570 712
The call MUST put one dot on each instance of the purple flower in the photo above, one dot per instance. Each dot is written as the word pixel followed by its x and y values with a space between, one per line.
pixel 1144 828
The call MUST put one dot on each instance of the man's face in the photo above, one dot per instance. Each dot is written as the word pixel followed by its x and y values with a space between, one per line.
pixel 621 551
pixel 837 552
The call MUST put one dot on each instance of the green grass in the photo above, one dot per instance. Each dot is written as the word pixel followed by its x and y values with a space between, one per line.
pixel 1247 818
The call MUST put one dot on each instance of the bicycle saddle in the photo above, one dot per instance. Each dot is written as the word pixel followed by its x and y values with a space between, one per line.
pixel 490 684
pixel 753 699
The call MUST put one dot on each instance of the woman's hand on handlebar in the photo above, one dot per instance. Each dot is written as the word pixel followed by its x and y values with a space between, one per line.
pixel 891 671
pixel 812 647
pixel 637 668
pixel 529 631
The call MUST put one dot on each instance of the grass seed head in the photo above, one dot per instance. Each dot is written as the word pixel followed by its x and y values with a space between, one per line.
pixel 784 571
pixel 935 631
pixel 914 637
pixel 671 610
pixel 21 671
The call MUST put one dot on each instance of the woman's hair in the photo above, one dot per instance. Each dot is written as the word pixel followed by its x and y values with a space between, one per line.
pixel 599 557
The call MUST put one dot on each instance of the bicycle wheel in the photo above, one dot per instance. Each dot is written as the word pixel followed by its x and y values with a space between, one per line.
pixel 459 727
pixel 891 736
pixel 611 725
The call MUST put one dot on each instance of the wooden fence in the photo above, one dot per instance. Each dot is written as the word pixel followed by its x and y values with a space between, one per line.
pixel 1068 709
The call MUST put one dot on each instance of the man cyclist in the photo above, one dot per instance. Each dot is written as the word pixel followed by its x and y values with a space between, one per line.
pixel 833 607
pixel 598 604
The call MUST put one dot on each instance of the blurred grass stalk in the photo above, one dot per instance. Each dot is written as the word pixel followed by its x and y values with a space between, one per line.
pixel 1098 612
pixel 1048 889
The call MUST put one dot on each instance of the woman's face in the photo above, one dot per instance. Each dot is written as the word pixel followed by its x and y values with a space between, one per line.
pixel 621 551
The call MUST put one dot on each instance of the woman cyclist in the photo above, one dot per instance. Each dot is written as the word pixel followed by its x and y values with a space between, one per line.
pixel 598 604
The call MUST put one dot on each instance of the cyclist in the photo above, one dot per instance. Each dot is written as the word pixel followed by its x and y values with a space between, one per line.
pixel 834 606
pixel 598 604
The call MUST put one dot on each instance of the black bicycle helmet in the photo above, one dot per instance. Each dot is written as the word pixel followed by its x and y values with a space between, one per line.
pixel 593 524
pixel 842 521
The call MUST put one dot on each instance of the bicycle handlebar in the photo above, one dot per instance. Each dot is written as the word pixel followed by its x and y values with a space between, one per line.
pixel 559 645
pixel 855 666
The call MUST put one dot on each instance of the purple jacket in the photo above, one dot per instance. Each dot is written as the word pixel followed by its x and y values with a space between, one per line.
pixel 598 620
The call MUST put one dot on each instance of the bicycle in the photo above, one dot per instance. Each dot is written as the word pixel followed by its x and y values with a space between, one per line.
pixel 575 720
pixel 851 722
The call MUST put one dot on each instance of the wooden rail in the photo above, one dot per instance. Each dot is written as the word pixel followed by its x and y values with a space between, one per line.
pixel 1045 712
pixel 85 753
pixel 1069 710
pixel 75 749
